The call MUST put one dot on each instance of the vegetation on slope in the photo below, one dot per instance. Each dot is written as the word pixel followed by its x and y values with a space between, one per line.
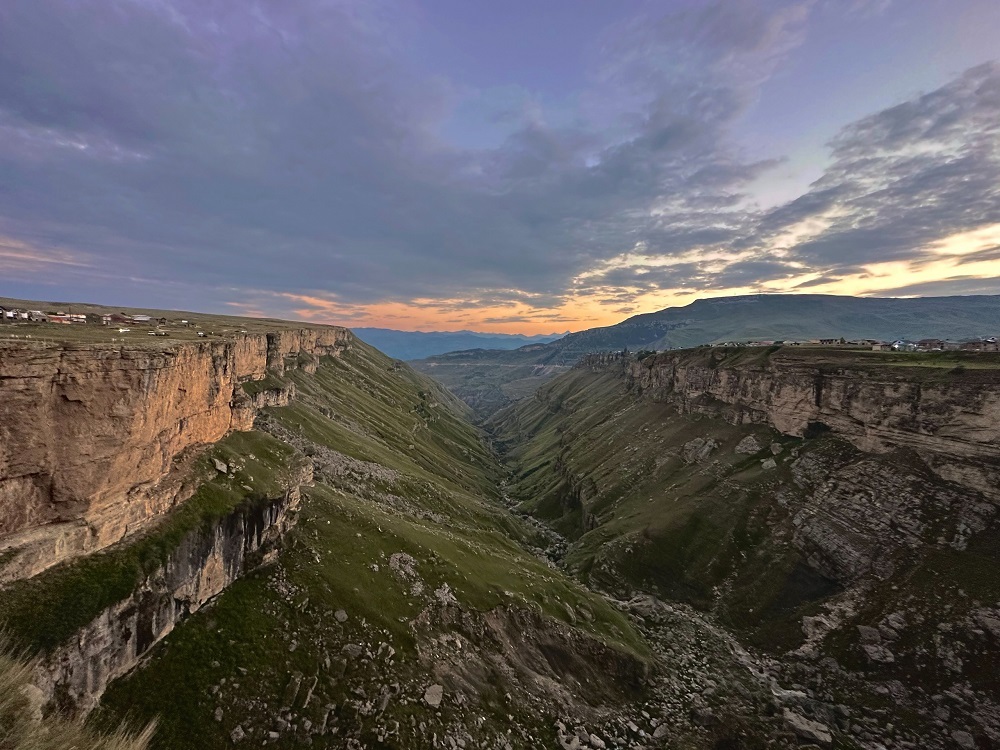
pixel 404 569
pixel 860 572
pixel 40 613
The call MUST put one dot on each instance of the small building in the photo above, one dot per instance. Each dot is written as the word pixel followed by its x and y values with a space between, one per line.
pixel 881 346
pixel 141 319
pixel 979 345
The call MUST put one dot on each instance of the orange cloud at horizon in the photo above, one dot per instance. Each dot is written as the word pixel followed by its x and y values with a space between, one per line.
pixel 950 258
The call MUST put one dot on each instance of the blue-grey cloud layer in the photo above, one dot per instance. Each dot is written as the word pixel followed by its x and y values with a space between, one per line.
pixel 288 147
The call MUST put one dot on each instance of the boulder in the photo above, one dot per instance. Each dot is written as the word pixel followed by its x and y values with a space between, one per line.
pixel 877 653
pixel 748 446
pixel 697 450
pixel 433 695
pixel 807 729
pixel 963 739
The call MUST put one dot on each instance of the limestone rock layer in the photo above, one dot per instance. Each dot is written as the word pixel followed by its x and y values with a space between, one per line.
pixel 94 439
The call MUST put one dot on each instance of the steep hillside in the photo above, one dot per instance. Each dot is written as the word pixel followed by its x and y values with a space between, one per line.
pixel 488 380
pixel 834 509
pixel 333 564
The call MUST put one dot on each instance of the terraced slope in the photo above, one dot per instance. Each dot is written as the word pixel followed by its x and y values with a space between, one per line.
pixel 854 545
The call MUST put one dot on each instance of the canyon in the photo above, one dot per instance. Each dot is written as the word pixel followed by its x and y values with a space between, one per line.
pixel 280 536
pixel 833 509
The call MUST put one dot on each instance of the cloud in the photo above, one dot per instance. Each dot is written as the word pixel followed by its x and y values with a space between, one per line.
pixel 235 142
pixel 294 158
pixel 904 178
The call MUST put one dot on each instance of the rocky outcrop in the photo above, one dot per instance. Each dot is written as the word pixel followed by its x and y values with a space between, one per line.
pixel 95 439
pixel 207 560
pixel 950 418
pixel 859 512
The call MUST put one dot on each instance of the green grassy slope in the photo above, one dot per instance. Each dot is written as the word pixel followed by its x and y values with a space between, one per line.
pixel 608 471
pixel 401 545
pixel 619 476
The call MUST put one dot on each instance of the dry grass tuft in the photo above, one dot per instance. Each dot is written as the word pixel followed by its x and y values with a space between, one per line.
pixel 22 729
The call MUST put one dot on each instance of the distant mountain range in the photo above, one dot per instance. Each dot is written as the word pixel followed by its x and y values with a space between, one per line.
pixel 419 344
pixel 488 380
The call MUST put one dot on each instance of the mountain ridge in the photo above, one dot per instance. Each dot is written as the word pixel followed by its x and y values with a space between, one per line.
pixel 421 344
pixel 490 380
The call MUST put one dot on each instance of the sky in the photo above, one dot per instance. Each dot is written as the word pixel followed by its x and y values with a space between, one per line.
pixel 517 166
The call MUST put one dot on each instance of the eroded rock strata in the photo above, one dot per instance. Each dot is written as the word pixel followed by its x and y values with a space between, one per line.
pixel 951 418
pixel 206 561
pixel 835 510
pixel 94 439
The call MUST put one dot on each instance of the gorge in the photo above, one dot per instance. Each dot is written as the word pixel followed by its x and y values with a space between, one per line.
pixel 277 535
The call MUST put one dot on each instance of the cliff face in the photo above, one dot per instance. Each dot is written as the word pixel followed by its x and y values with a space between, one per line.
pixel 951 419
pixel 207 561
pixel 95 440
pixel 836 509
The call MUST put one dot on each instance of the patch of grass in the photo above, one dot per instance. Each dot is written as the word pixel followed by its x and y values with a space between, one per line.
pixel 20 731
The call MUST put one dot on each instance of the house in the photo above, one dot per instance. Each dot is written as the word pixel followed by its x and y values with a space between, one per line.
pixel 979 345
pixel 902 345
pixel 930 345
pixel 141 319
pixel 881 346
pixel 76 318
pixel 105 320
